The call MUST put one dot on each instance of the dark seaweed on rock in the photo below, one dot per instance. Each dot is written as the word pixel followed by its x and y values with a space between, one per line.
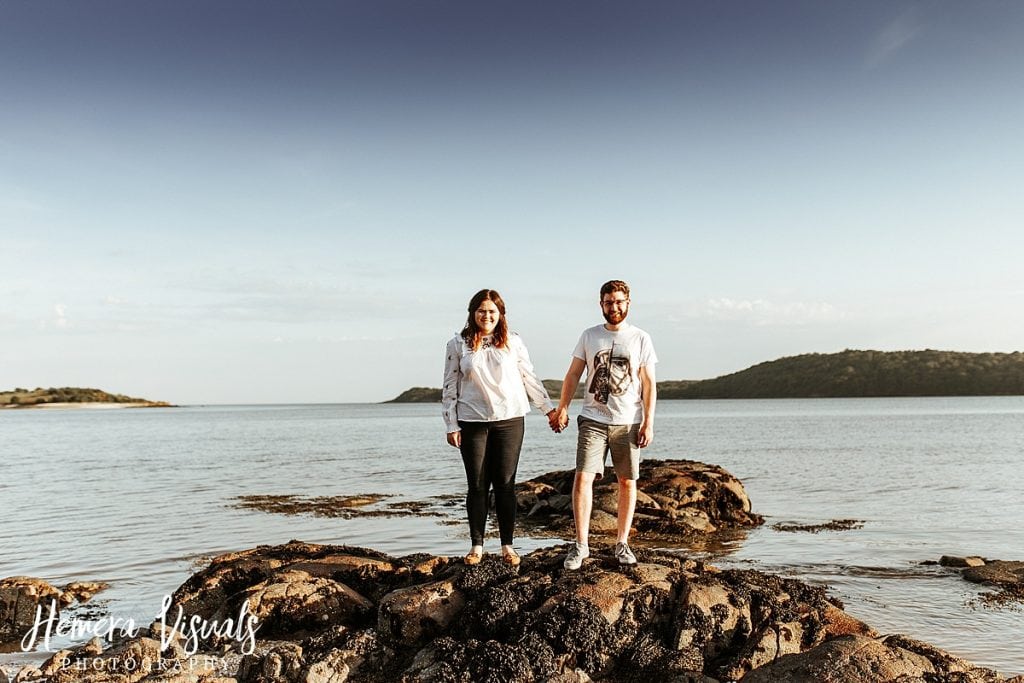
pixel 341 614
pixel 1006 576
pixel 834 525
pixel 343 507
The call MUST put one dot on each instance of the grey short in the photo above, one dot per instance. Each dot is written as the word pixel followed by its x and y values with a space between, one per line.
pixel 596 439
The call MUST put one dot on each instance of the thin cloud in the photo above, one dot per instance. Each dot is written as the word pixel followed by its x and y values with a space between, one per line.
pixel 267 299
pixel 763 313
pixel 58 320
pixel 15 201
pixel 893 37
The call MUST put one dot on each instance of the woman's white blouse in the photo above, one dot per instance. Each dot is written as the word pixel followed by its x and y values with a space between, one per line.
pixel 490 384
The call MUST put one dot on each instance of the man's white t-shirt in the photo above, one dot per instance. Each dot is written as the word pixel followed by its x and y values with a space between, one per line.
pixel 612 393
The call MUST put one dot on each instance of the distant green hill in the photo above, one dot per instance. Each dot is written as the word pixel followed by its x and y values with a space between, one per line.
pixel 845 374
pixel 433 395
pixel 26 398
pixel 865 373
pixel 554 387
pixel 418 395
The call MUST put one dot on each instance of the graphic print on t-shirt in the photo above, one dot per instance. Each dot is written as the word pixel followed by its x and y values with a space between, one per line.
pixel 612 373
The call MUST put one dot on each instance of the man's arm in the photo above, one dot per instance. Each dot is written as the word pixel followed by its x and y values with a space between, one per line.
pixel 650 398
pixel 560 420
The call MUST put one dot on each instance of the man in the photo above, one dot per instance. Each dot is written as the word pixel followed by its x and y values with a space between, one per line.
pixel 617 415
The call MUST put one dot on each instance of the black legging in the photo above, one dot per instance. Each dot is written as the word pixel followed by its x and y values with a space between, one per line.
pixel 490 452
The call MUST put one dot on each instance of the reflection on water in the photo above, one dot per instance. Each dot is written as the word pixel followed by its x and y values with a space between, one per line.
pixel 140 498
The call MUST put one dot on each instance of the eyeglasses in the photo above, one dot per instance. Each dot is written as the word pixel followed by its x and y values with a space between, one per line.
pixel 613 303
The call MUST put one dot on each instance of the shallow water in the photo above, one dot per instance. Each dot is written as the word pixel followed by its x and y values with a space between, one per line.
pixel 139 498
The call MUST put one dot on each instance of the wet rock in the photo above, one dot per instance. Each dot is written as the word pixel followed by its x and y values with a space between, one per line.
pixel 996 573
pixel 847 659
pixel 331 669
pixel 860 659
pixel 28 673
pixel 93 648
pixel 218 591
pixel 282 663
pixel 709 615
pixel 1004 575
pixel 412 615
pixel 19 598
pixel 344 657
pixel 426 619
pixel 126 662
pixel 602 522
pixel 295 601
pixel 56 662
pixel 774 642
pixel 694 520
pixel 953 561
pixel 81 592
pixel 675 498
pixel 839 623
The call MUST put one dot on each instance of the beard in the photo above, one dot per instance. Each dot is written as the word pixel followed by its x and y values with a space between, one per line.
pixel 615 317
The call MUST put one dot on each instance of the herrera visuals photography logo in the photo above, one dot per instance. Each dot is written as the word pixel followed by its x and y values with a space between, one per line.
pixel 193 630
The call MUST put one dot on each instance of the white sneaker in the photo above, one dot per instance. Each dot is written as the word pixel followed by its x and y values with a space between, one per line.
pixel 624 554
pixel 577 553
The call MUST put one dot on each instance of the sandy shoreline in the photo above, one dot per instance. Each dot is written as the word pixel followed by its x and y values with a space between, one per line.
pixel 83 406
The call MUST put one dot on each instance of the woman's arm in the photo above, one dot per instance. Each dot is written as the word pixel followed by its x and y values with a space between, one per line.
pixel 534 387
pixel 450 391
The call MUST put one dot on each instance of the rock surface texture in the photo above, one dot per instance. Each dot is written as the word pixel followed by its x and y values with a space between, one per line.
pixel 854 659
pixel 1006 576
pixel 21 596
pixel 675 499
pixel 337 614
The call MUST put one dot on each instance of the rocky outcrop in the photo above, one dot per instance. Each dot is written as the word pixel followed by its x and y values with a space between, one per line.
pixel 856 659
pixel 20 596
pixel 332 614
pixel 675 499
pixel 954 561
pixel 1006 576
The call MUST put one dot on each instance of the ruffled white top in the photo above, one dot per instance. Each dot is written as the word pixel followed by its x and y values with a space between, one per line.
pixel 489 384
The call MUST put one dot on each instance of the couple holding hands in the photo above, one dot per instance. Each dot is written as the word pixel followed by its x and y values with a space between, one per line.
pixel 488 384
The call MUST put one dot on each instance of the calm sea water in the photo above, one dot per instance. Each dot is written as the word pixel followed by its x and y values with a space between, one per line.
pixel 139 498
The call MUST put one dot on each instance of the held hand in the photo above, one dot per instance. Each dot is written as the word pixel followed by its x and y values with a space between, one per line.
pixel 646 435
pixel 561 419
pixel 553 422
pixel 454 439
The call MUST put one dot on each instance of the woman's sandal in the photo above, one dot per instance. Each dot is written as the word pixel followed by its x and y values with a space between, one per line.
pixel 510 558
pixel 473 557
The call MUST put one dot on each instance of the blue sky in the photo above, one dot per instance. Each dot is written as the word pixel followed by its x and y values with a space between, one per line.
pixel 289 202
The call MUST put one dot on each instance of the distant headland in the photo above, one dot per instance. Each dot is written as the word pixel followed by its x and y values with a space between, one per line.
pixel 847 374
pixel 72 397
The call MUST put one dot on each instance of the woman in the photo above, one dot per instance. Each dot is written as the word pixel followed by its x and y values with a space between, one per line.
pixel 487 377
